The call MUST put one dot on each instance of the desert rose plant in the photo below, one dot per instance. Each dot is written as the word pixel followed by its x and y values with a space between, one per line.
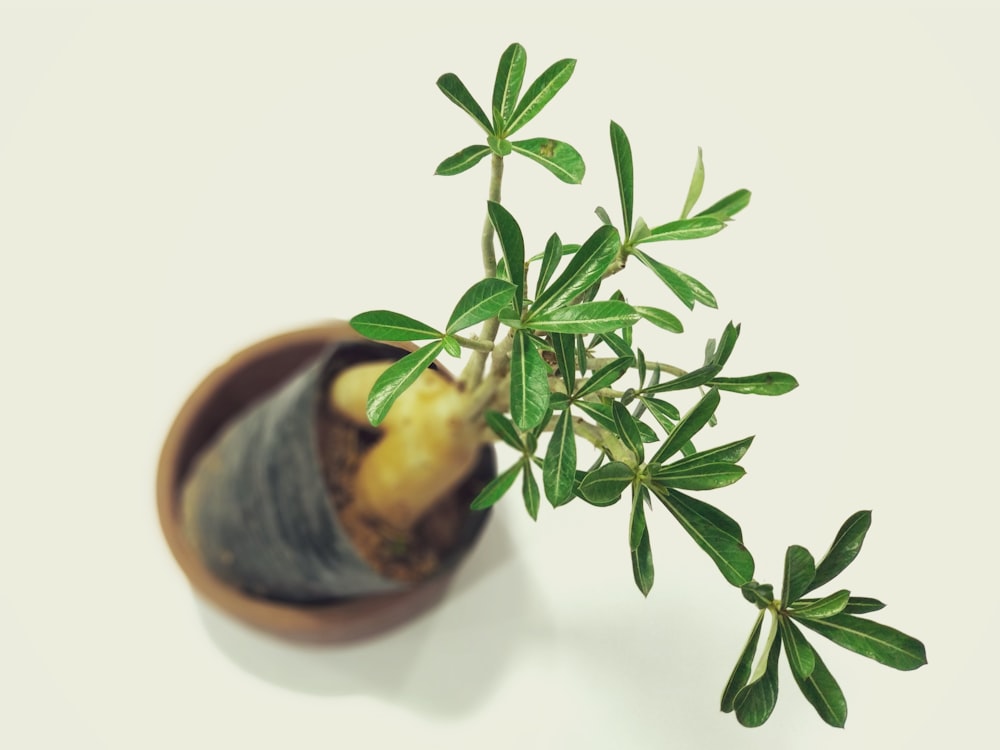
pixel 557 360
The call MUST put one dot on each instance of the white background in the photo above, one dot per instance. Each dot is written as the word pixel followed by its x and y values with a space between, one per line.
pixel 178 180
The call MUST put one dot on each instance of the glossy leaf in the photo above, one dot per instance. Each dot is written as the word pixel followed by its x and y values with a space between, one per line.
pixel 510 76
pixel 684 229
pixel 701 476
pixel 504 429
pixel 586 317
pixel 559 158
pixel 800 569
pixel 529 387
pixel 642 555
pixel 605 376
pixel 397 378
pixel 539 93
pixel 823 692
pixel 560 462
pixel 529 489
pixel 550 261
pixel 465 159
pixel 755 702
pixel 455 90
pixel 882 643
pixel 846 546
pixel 499 146
pixel 384 325
pixel 512 245
pixel 729 206
pixel 689 426
pixel 605 485
pixel 485 299
pixel 819 609
pixel 728 453
pixel 628 430
pixel 622 152
pixel 693 379
pixel 761 594
pixel 687 288
pixel 727 342
pixel 586 268
pixel 452 346
pixel 694 189
pixel 744 665
pixel 496 488
pixel 762 384
pixel 663 412
pixel 602 214
pixel 564 347
pixel 799 653
pixel 862 605
pixel 660 318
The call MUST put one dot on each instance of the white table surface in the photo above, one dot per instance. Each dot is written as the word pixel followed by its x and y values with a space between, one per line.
pixel 178 180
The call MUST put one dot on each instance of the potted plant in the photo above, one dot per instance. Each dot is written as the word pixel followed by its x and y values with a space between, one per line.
pixel 357 474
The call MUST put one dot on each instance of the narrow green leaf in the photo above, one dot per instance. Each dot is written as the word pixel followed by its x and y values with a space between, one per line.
pixel 637 522
pixel 728 207
pixel 763 384
pixel 801 657
pixel 862 605
pixel 882 643
pixel 616 343
pixel 465 159
pixel 539 94
pixel 496 488
pixel 397 378
pixel 512 245
pixel 529 488
pixel 642 555
pixel 586 317
pixel 602 214
pixel 727 342
pixel 585 269
pixel 622 152
pixel 504 429
pixel 499 146
pixel 687 288
pixel 560 462
pixel 800 569
pixel 694 190
pixel 452 346
pixel 728 453
pixel 823 692
pixel 689 426
pixel 628 430
pixel 383 325
pixel 761 594
pixel 741 672
pixel 559 158
pixel 701 476
pixel 846 546
pixel 713 531
pixel 550 260
pixel 684 229
pixel 564 347
pixel 819 609
pixel 664 412
pixel 660 318
pixel 640 366
pixel 605 376
pixel 455 90
pixel 510 76
pixel 755 702
pixel 693 379
pixel 484 299
pixel 605 485
pixel 529 388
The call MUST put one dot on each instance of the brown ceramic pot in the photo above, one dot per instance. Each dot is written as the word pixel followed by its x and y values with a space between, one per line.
pixel 355 603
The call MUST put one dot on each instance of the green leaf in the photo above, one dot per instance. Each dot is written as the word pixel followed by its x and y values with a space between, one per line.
pixel 550 260
pixel 510 76
pixel 761 594
pixel 602 214
pixel 741 672
pixel 642 554
pixel 763 384
pixel 689 426
pixel 755 702
pixel 605 376
pixel 622 152
pixel 484 299
pixel 616 343
pixel 665 413
pixel 512 245
pixel 604 485
pixel 465 159
pixel 687 289
pixel 800 569
pixel 801 657
pixel 694 190
pixel 819 609
pixel 846 546
pixel 684 229
pixel 701 476
pixel 496 488
pixel 713 531
pixel 727 342
pixel 862 605
pixel 586 268
pixel 499 146
pixel 885 645
pixel 452 346
pixel 564 347
pixel 693 379
pixel 729 206
pixel 559 470
pixel 628 430
pixel 586 317
pixel 397 378
pixel 529 488
pixel 455 90
pixel 559 158
pixel 660 318
pixel 539 94
pixel 504 429
pixel 383 325
pixel 823 692
pixel 637 522
pixel 529 387
pixel 728 453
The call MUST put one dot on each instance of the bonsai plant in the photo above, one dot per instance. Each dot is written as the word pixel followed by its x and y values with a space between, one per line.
pixel 555 370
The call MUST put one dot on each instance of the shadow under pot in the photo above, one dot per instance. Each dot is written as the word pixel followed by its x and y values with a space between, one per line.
pixel 256 503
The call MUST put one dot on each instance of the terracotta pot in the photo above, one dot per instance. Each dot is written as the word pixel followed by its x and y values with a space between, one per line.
pixel 340 599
